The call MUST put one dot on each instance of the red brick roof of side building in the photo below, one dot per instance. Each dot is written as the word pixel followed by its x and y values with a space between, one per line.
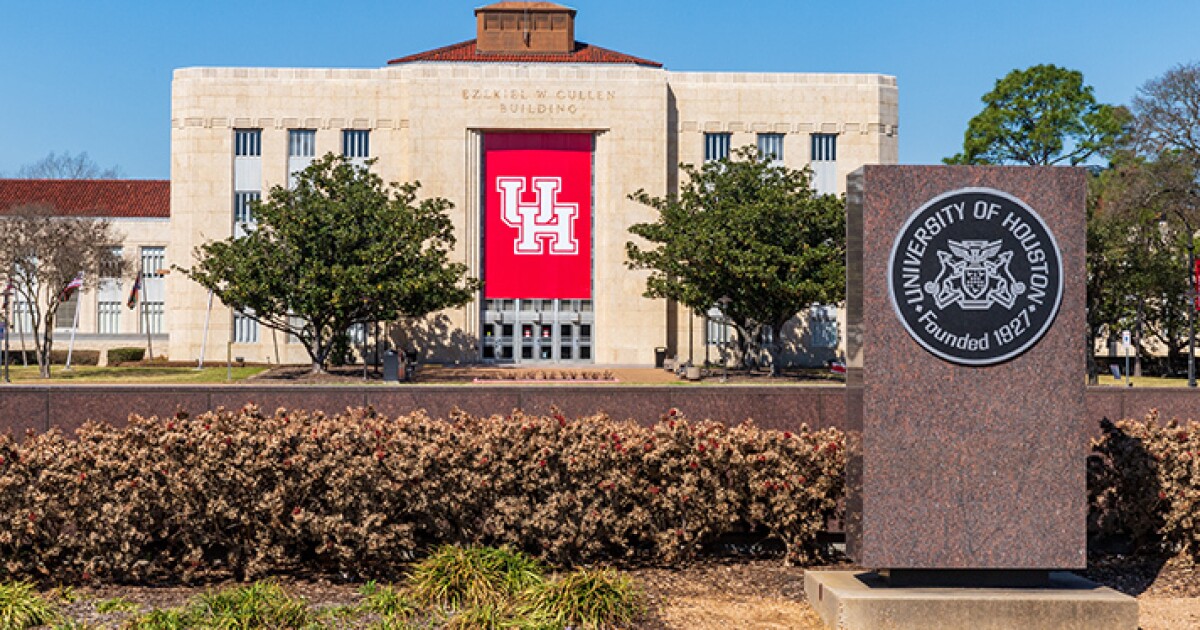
pixel 583 53
pixel 116 198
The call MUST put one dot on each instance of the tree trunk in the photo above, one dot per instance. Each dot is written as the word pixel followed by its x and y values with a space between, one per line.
pixel 1137 337
pixel 318 352
pixel 1093 375
pixel 44 350
pixel 774 347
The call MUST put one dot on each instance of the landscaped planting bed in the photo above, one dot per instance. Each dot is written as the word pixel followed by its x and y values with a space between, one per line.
pixel 247 494
pixel 292 519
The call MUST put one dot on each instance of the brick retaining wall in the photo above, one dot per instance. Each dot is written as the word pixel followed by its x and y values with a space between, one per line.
pixel 41 407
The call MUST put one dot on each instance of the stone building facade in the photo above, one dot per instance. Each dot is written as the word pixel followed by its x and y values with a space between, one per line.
pixel 524 91
pixel 428 117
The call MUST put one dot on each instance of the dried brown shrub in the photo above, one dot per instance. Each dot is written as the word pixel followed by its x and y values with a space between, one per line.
pixel 1144 485
pixel 249 493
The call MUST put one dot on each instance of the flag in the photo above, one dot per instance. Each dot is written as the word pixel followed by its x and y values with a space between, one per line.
pixel 133 293
pixel 1196 285
pixel 837 367
pixel 71 287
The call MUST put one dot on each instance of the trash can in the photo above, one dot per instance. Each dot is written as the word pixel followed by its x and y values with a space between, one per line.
pixel 660 357
pixel 391 367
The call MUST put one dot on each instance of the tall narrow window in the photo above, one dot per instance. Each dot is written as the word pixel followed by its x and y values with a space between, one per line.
pixel 356 145
pixel 153 263
pixel 824 163
pixel 108 295
pixel 770 147
pixel 302 148
pixel 64 319
pixel 247 142
pixel 823 326
pixel 245 329
pixel 716 146
pixel 243 221
pixel 247 175
pixel 716 331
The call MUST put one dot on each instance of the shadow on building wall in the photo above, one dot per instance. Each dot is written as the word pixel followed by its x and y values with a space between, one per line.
pixel 435 339
pixel 808 344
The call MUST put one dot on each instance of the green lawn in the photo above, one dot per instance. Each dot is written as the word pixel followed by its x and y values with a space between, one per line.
pixel 1106 380
pixel 131 375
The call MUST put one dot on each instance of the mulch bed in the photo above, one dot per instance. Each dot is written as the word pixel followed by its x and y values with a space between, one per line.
pixel 719 579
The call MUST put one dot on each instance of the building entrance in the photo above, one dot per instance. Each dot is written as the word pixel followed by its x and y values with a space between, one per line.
pixel 537 331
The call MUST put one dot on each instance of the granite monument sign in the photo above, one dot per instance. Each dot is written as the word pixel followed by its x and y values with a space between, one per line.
pixel 965 389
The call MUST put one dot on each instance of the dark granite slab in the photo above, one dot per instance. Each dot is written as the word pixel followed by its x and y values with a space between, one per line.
pixel 957 467
pixel 23 410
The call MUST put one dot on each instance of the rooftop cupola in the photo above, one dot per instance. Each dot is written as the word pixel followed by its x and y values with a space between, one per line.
pixel 525 28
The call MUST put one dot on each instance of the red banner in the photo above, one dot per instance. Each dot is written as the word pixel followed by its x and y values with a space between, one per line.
pixel 538 215
pixel 1196 285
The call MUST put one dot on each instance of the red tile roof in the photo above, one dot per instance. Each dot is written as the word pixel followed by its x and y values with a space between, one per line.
pixel 139 198
pixel 583 53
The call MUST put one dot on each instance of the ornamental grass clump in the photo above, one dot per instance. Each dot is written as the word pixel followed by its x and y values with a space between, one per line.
pixel 21 607
pixel 457 577
pixel 245 494
pixel 586 598
pixel 387 601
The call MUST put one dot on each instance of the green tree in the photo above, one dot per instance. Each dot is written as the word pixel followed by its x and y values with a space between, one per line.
pixel 340 248
pixel 1041 116
pixel 749 230
pixel 1161 192
pixel 1133 263
pixel 1166 114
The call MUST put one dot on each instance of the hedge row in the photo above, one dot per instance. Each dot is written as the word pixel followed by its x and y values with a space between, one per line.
pixel 57 357
pixel 250 494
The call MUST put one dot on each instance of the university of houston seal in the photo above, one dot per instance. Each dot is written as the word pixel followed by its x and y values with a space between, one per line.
pixel 975 276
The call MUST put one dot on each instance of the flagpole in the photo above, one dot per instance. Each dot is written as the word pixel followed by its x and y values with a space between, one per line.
pixel 7 328
pixel 24 352
pixel 74 327
pixel 204 339
pixel 145 315
pixel 7 349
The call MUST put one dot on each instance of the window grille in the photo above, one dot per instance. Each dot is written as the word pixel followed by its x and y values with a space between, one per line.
pixel 152 317
pixel 108 318
pixel 770 146
pixel 153 260
pixel 716 146
pixel 22 314
pixel 824 147
pixel 824 163
pixel 716 330
pixel 302 143
pixel 110 265
pixel 243 220
pixel 245 329
pixel 247 142
pixel 64 319
pixel 356 143
pixel 823 326
pixel 152 308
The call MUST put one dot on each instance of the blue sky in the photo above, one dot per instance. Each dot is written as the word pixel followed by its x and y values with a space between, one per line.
pixel 96 76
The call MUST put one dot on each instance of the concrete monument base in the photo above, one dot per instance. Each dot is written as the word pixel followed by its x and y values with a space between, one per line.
pixel 854 600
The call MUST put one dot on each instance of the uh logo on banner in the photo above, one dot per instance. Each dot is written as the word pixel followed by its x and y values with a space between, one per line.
pixel 538 215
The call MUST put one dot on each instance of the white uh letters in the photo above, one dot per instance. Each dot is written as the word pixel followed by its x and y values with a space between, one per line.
pixel 545 218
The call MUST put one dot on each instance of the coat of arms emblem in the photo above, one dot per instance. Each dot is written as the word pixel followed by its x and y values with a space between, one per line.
pixel 975 275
